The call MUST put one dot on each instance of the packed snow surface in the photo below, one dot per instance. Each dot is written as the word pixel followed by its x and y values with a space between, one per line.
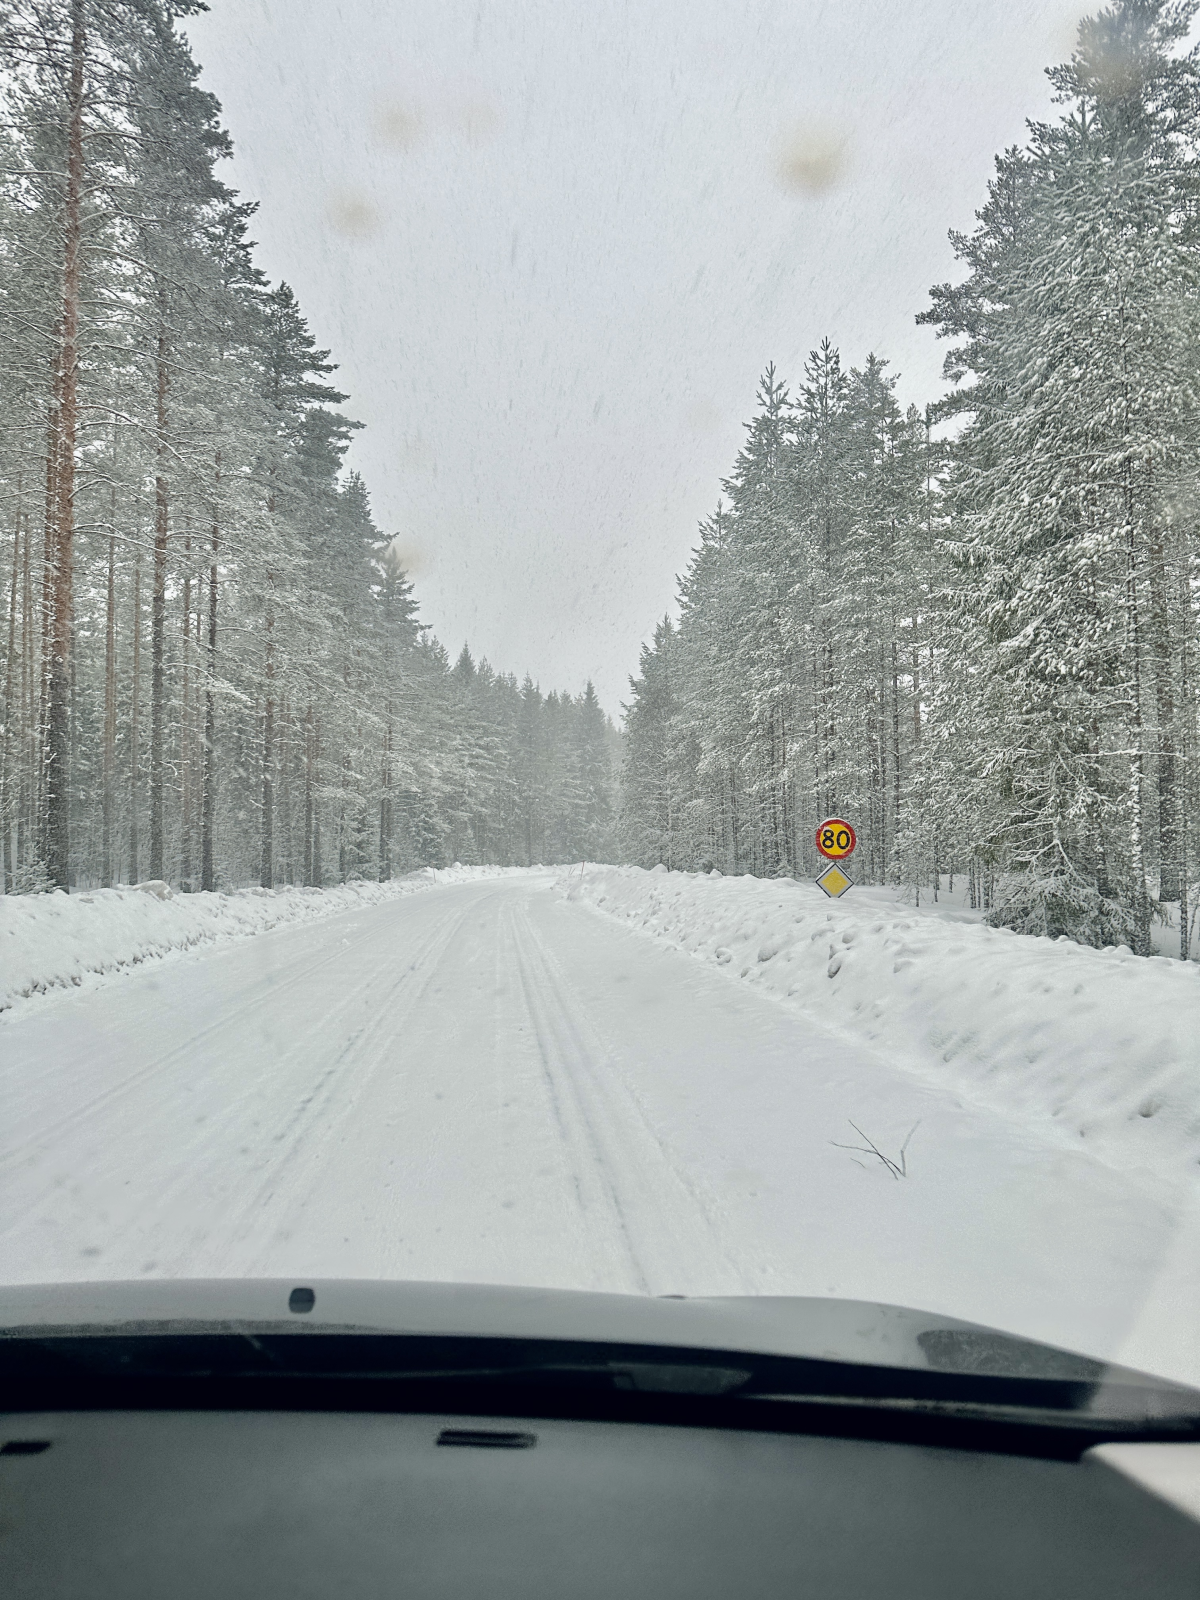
pixel 1100 1046
pixel 51 941
pixel 518 1078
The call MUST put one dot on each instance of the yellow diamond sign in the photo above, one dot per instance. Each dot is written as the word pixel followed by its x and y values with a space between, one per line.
pixel 834 881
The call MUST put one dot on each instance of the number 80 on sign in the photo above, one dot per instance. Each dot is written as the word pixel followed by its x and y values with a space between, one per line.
pixel 836 838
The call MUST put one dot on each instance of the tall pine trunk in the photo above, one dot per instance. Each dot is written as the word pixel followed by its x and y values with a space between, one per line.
pixel 308 797
pixel 283 796
pixel 896 786
pixel 108 797
pixel 385 801
pixel 267 862
pixel 46 615
pixel 1137 778
pixel 1187 741
pixel 312 809
pixel 135 719
pixel 209 801
pixel 27 799
pixel 8 819
pixel 185 727
pixel 58 712
pixel 1164 694
pixel 158 614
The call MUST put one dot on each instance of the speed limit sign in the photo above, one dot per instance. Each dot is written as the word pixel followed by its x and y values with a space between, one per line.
pixel 836 838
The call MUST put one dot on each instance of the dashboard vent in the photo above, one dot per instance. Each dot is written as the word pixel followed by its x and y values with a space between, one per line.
pixel 486 1439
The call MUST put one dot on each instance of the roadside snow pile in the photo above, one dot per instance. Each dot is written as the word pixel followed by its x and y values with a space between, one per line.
pixel 50 941
pixel 1102 1043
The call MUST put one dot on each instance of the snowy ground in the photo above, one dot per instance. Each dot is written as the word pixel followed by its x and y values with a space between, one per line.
pixel 1100 1047
pixel 56 941
pixel 520 1078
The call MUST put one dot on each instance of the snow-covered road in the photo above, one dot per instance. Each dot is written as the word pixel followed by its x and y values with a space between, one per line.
pixel 490 1082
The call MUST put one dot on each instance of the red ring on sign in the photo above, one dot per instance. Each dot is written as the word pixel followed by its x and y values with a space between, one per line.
pixel 836 838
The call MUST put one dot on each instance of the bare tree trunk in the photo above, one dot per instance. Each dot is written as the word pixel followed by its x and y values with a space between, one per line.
pixel 1184 909
pixel 1164 694
pixel 385 802
pixel 267 872
pixel 58 770
pixel 158 615
pixel 8 862
pixel 208 804
pixel 283 823
pixel 342 822
pixel 312 799
pixel 816 728
pixel 1133 641
pixel 27 810
pixel 1186 712
pixel 1137 782
pixel 110 714
pixel 135 719
pixel 916 691
pixel 41 646
pixel 895 753
pixel 308 797
pixel 185 726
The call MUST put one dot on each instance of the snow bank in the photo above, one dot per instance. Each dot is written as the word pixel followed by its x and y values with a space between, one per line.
pixel 1103 1044
pixel 51 941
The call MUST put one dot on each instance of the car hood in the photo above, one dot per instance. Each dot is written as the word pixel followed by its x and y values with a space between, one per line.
pixel 855 1331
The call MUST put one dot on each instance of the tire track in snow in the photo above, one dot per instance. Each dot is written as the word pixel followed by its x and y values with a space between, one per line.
pixel 624 1179
pixel 595 1193
pixel 350 1074
pixel 50 1133
pixel 206 1156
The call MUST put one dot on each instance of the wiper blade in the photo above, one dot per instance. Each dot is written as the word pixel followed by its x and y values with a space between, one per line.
pixel 1132 1423
pixel 643 1377
pixel 256 1366
pixel 358 1359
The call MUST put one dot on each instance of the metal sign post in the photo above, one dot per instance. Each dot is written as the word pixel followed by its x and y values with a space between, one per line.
pixel 836 839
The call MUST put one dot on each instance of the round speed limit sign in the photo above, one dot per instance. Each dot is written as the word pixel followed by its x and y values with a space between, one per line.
pixel 836 838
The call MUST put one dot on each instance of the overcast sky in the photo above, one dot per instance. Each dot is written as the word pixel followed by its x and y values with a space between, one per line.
pixel 553 244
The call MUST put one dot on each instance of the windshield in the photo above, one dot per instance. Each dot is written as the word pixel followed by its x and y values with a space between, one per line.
pixel 600 660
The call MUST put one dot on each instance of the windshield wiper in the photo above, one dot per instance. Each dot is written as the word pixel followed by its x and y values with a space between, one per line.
pixel 265 1368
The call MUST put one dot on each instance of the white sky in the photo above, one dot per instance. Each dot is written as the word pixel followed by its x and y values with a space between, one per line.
pixel 549 245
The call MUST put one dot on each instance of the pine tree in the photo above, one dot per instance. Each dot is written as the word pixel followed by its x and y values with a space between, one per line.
pixel 209 646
